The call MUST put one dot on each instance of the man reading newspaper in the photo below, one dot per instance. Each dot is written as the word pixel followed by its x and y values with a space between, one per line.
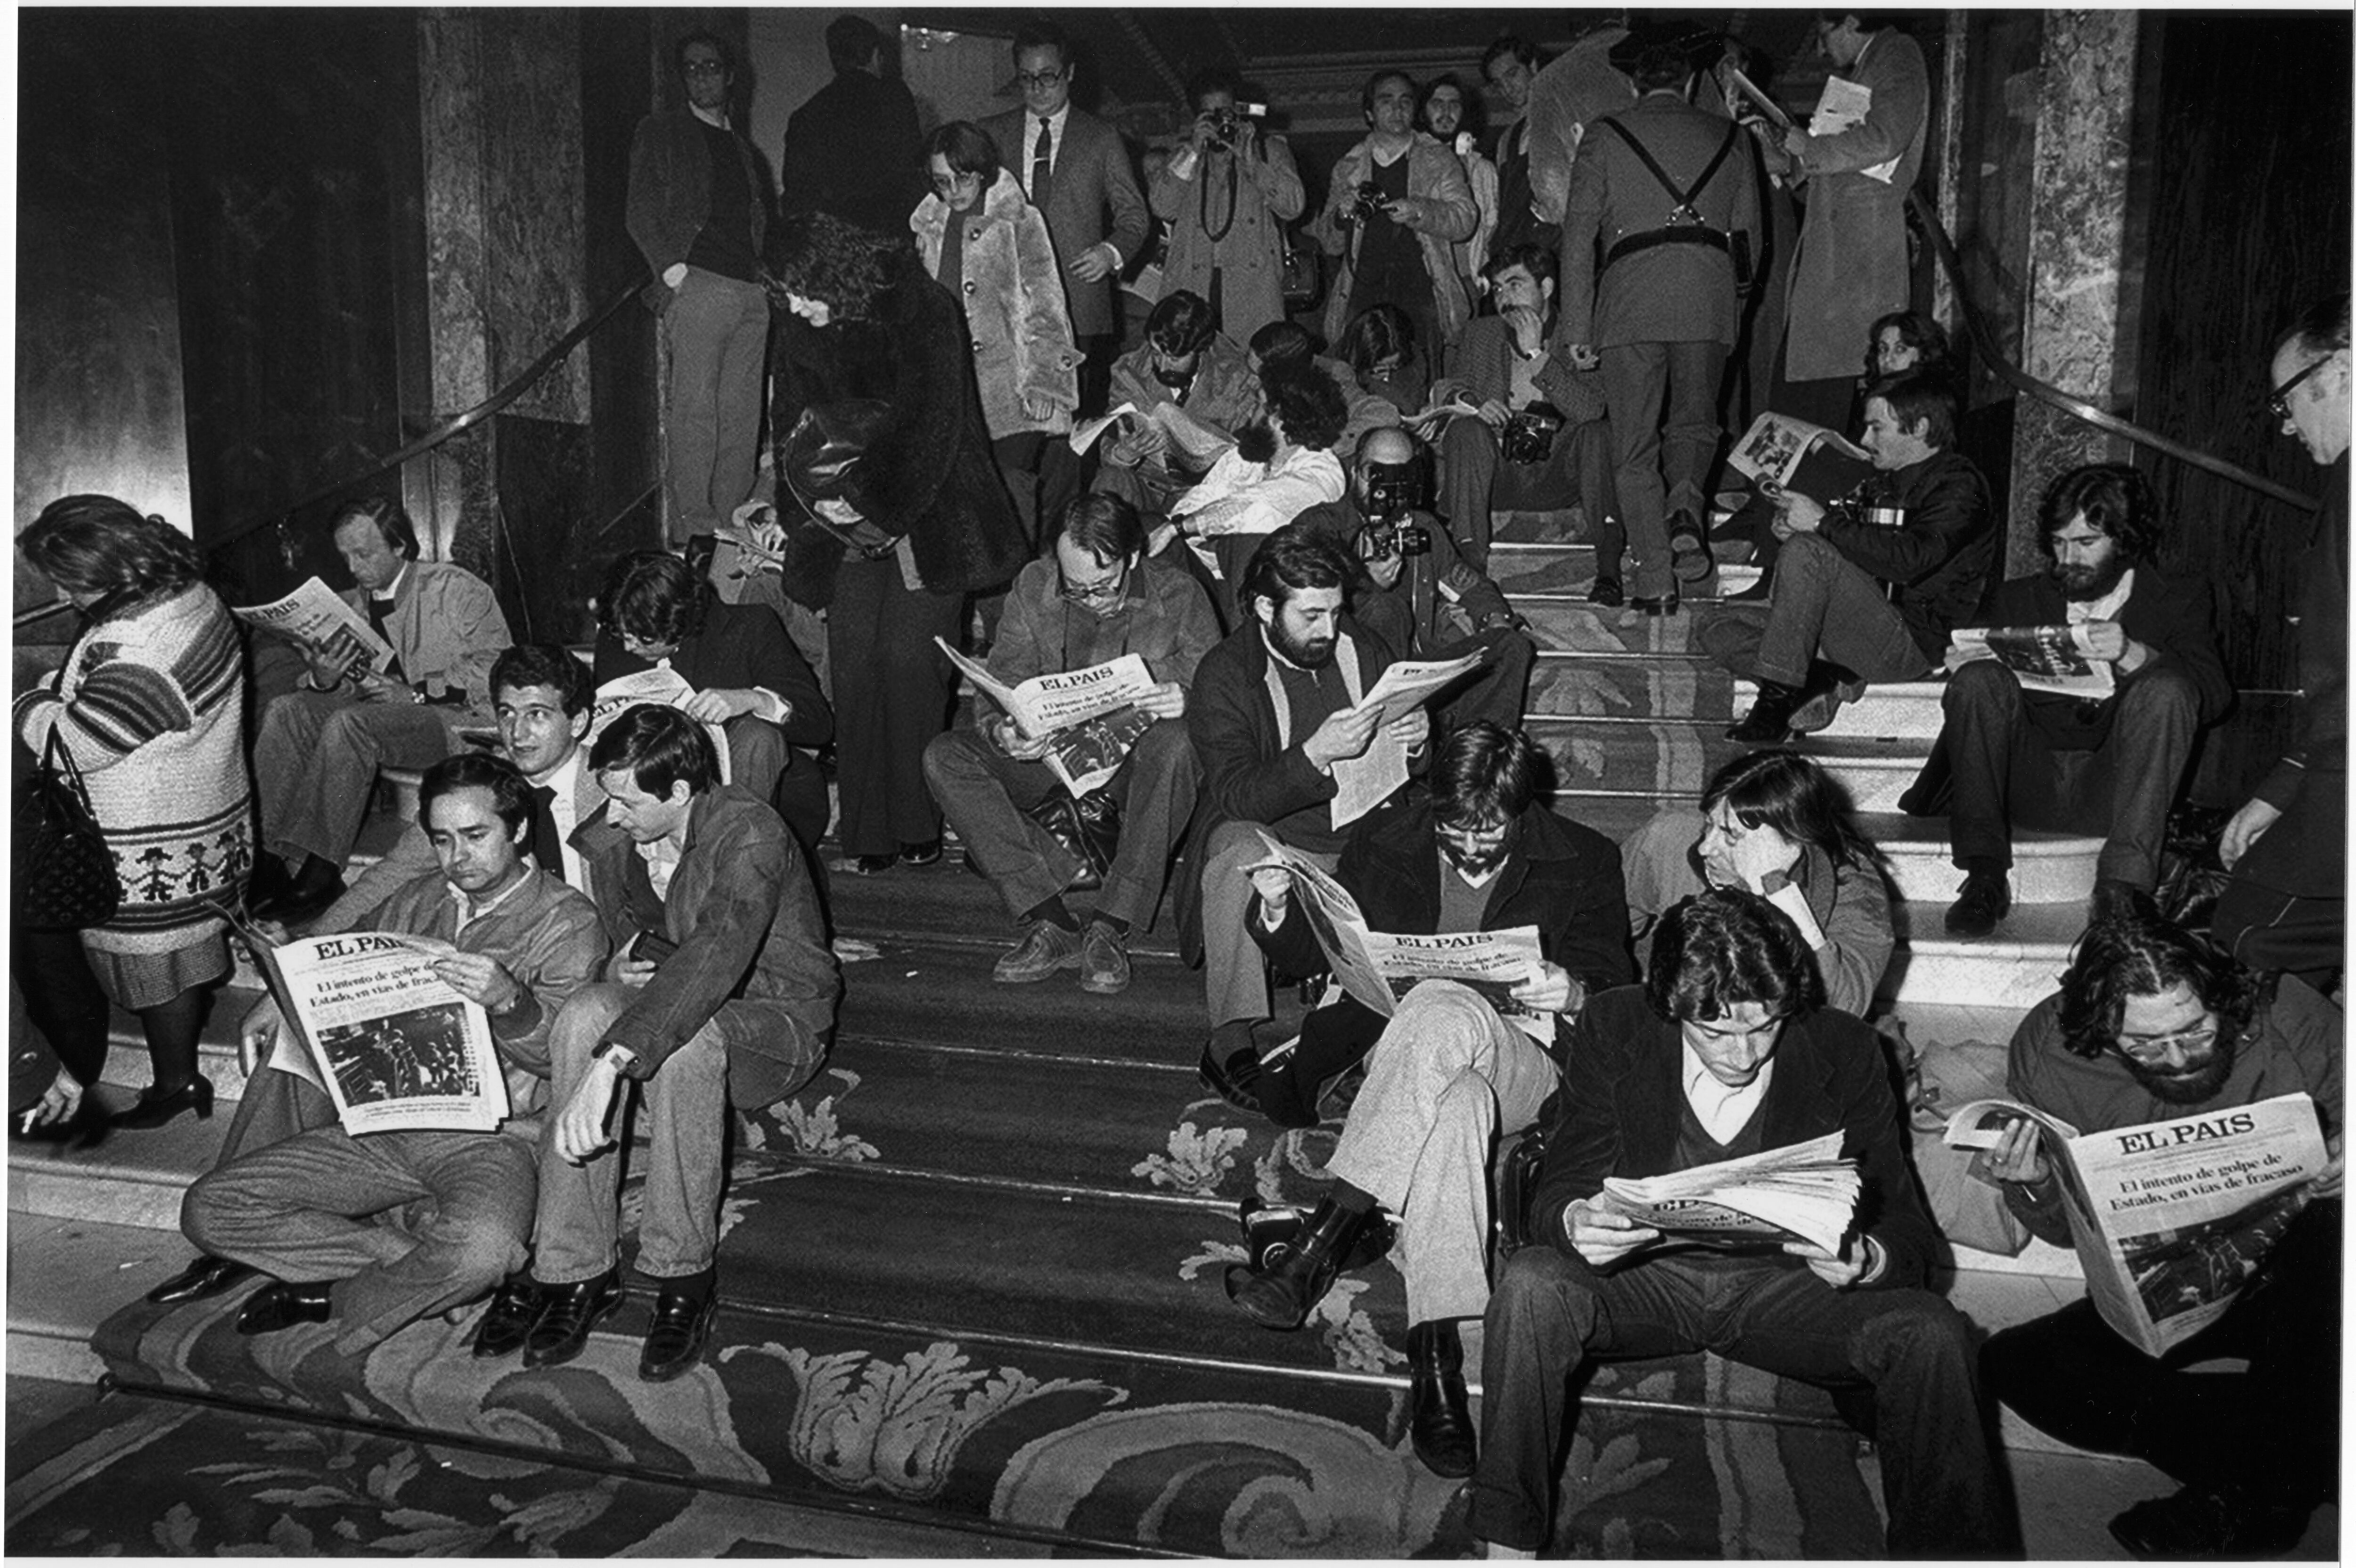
pixel 1447 1075
pixel 1096 598
pixel 1727 1049
pixel 2014 756
pixel 376 1230
pixel 2154 1024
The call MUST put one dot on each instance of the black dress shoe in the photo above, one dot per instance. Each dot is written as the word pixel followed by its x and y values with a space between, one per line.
pixel 282 1305
pixel 153 1110
pixel 675 1337
pixel 1606 593
pixel 2208 1522
pixel 1234 1080
pixel 926 854
pixel 1438 1421
pixel 567 1314
pixel 867 865
pixel 207 1276
pixel 1655 606
pixel 507 1322
pixel 1769 722
pixel 1985 899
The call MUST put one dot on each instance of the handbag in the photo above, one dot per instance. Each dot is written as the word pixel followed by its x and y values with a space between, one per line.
pixel 66 878
pixel 1089 828
pixel 825 459
pixel 1300 273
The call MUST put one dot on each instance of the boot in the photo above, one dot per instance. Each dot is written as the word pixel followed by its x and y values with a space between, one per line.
pixel 1280 1296
pixel 1769 722
pixel 1437 1418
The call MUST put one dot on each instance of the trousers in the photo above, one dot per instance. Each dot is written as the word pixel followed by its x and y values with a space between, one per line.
pixel 1662 398
pixel 2274 1429
pixel 2005 772
pixel 1476 481
pixel 1552 1314
pixel 1234 973
pixel 890 697
pixel 718 332
pixel 985 793
pixel 1821 607
pixel 405 1224
pixel 1447 1077
pixel 316 761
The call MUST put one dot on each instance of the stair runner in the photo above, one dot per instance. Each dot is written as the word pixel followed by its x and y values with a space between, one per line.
pixel 972 1277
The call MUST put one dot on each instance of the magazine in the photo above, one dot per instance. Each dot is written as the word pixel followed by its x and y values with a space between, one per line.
pixel 1089 716
pixel 1364 782
pixel 2046 658
pixel 2171 1219
pixel 1804 1192
pixel 659 685
pixel 311 615
pixel 1776 446
pixel 366 1021
pixel 1379 967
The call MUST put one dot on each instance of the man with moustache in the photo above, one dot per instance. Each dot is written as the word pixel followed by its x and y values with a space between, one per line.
pixel 2153 1024
pixel 2035 759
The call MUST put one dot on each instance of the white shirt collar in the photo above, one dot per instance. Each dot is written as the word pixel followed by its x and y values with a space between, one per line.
pixel 2107 607
pixel 1055 123
pixel 392 590
pixel 1722 1111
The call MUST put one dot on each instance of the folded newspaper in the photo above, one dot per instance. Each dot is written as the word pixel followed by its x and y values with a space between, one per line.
pixel 368 1022
pixel 1195 443
pixel 313 615
pixel 1378 968
pixel 2171 1219
pixel 1088 717
pixel 1773 450
pixel 659 685
pixel 1364 782
pixel 2046 658
pixel 1804 1192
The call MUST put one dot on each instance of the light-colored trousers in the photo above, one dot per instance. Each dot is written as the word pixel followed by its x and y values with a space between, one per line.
pixel 316 761
pixel 1447 1077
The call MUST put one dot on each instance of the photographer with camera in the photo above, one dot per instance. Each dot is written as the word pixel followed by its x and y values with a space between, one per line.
pixel 1415 590
pixel 1226 194
pixel 1536 434
pixel 1397 205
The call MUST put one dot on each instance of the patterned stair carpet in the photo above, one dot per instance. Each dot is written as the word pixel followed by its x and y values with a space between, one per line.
pixel 972 1275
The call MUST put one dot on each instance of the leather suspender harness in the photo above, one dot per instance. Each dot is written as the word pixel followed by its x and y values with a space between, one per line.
pixel 1684 225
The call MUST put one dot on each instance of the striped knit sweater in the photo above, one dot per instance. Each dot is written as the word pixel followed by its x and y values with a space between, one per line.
pixel 151 711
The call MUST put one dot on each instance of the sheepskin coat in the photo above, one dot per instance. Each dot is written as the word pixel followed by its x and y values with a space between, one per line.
pixel 1014 314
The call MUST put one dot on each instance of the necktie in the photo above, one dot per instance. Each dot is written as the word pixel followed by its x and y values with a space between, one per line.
pixel 1042 158
pixel 547 849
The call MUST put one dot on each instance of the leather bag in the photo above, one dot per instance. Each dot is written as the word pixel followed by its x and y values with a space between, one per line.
pixel 826 459
pixel 1089 828
pixel 65 874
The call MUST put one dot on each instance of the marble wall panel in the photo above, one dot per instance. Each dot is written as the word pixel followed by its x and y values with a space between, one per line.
pixel 530 113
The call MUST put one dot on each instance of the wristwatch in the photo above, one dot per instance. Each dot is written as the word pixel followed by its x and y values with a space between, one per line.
pixel 624 1057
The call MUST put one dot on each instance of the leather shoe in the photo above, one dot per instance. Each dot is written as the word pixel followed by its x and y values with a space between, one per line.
pixel 1769 722
pixel 927 853
pixel 507 1322
pixel 1986 898
pixel 1104 961
pixel 1234 1080
pixel 1437 1420
pixel 282 1306
pixel 152 1110
pixel 567 1314
pixel 675 1337
pixel 207 1276
pixel 1045 948
pixel 2202 1522
pixel 1607 593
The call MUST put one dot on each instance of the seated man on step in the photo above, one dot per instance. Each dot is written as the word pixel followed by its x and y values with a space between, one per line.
pixel 2009 757
pixel 1447 1075
pixel 1188 363
pixel 377 1231
pixel 1727 1049
pixel 1287 346
pixel 1274 709
pixel 316 759
pixel 1868 589
pixel 2152 1025
pixel 722 991
pixel 1096 598
pixel 1281 465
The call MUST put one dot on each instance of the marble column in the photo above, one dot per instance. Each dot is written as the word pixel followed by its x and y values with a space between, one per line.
pixel 2072 335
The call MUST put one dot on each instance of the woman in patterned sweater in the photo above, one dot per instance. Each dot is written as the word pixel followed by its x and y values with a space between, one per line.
pixel 149 705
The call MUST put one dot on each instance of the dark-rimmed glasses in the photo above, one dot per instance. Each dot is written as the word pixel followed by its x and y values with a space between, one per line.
pixel 2149 1049
pixel 2278 401
pixel 1105 590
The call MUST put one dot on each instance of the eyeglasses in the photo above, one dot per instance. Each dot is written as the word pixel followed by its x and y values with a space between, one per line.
pixel 705 67
pixel 954 183
pixel 2154 1048
pixel 1103 592
pixel 2278 401
pixel 1041 78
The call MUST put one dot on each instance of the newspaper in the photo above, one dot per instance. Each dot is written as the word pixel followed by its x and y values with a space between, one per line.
pixel 1089 716
pixel 2046 658
pixel 1379 967
pixel 1192 442
pixel 313 615
pixel 1770 451
pixel 1802 1192
pixel 659 685
pixel 2171 1219
pixel 367 1022
pixel 1844 107
pixel 1364 782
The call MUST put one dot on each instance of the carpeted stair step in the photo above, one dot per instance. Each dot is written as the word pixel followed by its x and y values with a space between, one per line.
pixel 1898 709
pixel 1620 683
pixel 1673 759
pixel 949 904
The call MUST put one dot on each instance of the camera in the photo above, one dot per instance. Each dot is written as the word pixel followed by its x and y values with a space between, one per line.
pixel 1384 538
pixel 1224 123
pixel 1529 433
pixel 1368 203
pixel 1393 492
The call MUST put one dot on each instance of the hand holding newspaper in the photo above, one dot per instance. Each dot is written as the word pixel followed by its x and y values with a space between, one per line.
pixel 1844 107
pixel 1378 968
pixel 2045 658
pixel 2169 1219
pixel 659 685
pixel 1771 449
pixel 1197 442
pixel 1089 716
pixel 312 616
pixel 1804 1192
pixel 1364 782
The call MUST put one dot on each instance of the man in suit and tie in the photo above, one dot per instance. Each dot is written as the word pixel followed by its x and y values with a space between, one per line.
pixel 1665 191
pixel 1076 170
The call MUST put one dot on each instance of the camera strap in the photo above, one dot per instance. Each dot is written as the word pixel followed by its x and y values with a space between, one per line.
pixel 1684 225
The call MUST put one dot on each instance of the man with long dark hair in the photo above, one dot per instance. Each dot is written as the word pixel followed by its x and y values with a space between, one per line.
pixel 2151 1025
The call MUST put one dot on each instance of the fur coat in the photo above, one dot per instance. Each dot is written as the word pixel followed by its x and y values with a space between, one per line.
pixel 1013 298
